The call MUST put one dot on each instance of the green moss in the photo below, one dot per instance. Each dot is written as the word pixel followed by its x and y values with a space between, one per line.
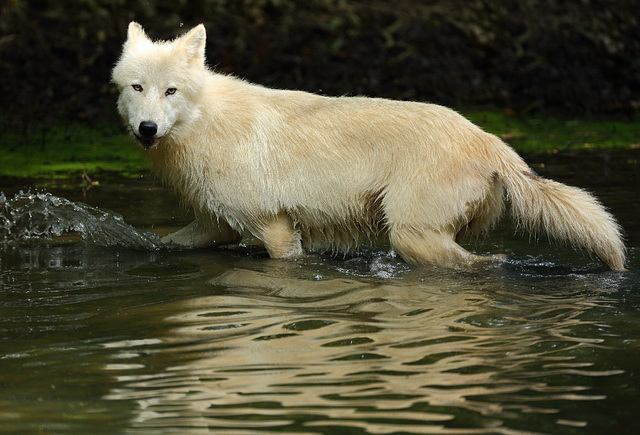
pixel 538 134
pixel 64 152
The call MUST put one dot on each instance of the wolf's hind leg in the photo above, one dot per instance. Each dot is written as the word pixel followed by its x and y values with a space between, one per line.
pixel 426 246
pixel 280 237
pixel 199 235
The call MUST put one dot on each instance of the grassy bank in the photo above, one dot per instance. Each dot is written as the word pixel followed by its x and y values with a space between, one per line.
pixel 67 152
pixel 545 134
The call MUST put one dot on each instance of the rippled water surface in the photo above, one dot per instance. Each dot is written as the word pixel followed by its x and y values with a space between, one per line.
pixel 104 331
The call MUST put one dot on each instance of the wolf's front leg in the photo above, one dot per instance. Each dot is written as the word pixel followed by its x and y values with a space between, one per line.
pixel 280 238
pixel 199 235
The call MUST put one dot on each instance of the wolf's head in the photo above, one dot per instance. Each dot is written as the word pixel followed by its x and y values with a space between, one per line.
pixel 159 82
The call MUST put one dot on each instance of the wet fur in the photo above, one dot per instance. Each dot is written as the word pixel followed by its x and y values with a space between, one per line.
pixel 297 169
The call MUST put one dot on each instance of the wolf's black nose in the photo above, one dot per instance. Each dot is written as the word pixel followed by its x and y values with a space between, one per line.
pixel 148 128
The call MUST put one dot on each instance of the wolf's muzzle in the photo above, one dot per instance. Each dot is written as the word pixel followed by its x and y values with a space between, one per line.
pixel 148 129
pixel 147 134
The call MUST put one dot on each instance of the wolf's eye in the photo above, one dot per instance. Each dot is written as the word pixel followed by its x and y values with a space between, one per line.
pixel 170 91
pixel 137 88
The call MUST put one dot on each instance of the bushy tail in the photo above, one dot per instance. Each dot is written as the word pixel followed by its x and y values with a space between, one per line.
pixel 563 212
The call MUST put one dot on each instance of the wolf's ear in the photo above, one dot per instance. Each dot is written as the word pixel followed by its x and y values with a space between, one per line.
pixel 135 32
pixel 194 42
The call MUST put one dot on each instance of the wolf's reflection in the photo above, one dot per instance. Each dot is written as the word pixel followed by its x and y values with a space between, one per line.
pixel 269 350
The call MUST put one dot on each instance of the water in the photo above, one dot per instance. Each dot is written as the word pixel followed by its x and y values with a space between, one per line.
pixel 29 216
pixel 102 330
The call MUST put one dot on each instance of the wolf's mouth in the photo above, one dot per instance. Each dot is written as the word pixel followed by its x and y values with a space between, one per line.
pixel 147 142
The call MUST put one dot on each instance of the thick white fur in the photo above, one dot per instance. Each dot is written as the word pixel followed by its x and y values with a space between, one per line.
pixel 296 169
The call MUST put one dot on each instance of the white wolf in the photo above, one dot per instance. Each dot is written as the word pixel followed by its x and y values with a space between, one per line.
pixel 296 169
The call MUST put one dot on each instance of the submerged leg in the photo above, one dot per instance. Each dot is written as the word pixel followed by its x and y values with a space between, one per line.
pixel 280 238
pixel 432 247
pixel 198 235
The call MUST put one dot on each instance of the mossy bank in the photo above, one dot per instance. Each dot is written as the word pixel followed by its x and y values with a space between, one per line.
pixel 78 153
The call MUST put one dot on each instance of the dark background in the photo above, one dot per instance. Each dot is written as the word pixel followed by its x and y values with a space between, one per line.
pixel 575 57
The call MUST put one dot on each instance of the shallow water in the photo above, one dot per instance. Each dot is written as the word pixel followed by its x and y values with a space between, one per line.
pixel 104 331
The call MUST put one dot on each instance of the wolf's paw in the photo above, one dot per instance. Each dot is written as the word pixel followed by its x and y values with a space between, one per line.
pixel 171 240
pixel 499 258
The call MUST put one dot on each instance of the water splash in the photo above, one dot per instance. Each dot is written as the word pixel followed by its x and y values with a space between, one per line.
pixel 29 216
